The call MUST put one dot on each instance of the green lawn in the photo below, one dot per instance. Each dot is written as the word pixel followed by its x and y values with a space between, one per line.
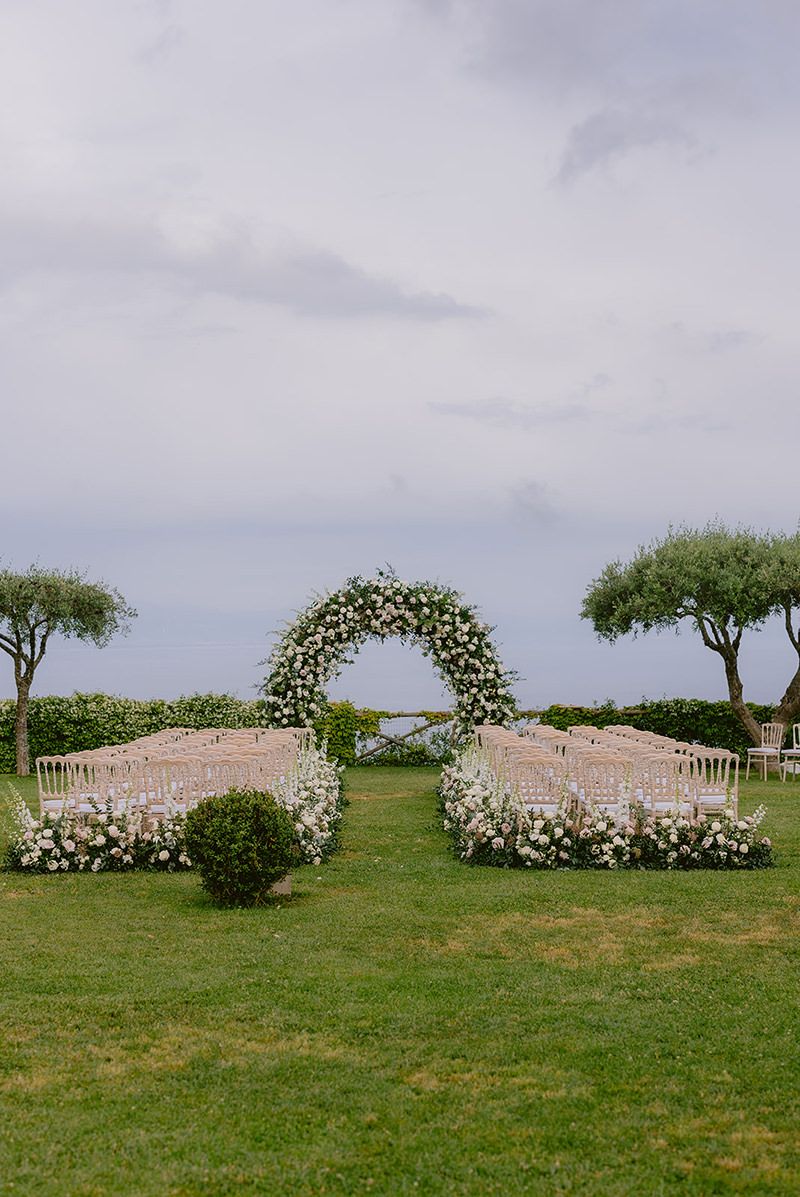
pixel 406 1024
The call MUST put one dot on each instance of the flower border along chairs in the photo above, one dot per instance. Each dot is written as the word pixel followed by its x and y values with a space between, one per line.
pixel 772 735
pixel 607 799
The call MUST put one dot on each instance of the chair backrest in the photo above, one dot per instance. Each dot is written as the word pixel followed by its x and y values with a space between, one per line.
pixel 665 781
pixel 772 734
pixel 796 735
pixel 540 785
pixel 711 770
pixel 603 781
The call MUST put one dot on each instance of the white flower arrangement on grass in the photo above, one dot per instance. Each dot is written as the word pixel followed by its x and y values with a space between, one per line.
pixel 313 795
pixel 489 823
pixel 103 841
pixel 710 842
pixel 119 841
pixel 314 648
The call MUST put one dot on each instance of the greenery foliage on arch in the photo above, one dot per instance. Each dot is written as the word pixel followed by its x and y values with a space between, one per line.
pixel 314 648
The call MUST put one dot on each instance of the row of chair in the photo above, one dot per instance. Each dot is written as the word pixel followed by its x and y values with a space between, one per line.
pixel 771 750
pixel 607 770
pixel 168 771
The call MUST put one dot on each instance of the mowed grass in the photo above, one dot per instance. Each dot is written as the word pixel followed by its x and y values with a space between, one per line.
pixel 406 1024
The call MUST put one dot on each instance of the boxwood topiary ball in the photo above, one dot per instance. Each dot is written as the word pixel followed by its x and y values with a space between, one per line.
pixel 241 844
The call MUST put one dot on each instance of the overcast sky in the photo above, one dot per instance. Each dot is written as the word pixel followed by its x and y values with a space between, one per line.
pixel 492 290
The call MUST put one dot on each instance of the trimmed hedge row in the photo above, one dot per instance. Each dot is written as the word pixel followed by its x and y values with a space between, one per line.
pixel 81 721
pixel 72 724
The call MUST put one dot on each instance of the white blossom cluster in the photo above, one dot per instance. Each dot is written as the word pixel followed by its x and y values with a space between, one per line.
pixel 724 842
pixel 101 842
pixel 312 794
pixel 481 813
pixel 316 646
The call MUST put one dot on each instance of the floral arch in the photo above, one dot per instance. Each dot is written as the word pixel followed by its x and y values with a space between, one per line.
pixel 314 648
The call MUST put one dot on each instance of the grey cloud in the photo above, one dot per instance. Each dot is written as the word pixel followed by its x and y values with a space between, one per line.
pixel 731 338
pixel 530 500
pixel 613 133
pixel 622 47
pixel 700 422
pixel 310 282
pixel 503 413
pixel 716 341
pixel 652 73
pixel 507 415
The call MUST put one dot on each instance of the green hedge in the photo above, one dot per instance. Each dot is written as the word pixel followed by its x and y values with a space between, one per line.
pixel 72 724
pixel 57 725
pixel 81 721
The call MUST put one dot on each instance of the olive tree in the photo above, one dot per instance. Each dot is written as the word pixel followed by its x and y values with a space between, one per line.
pixel 724 582
pixel 38 604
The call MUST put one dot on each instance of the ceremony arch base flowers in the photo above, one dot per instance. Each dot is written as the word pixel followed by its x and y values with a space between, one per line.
pixel 316 646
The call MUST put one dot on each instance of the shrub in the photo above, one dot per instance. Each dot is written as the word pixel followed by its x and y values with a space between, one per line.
pixel 241 844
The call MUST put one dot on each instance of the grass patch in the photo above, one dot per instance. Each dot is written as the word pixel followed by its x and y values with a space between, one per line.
pixel 406 1024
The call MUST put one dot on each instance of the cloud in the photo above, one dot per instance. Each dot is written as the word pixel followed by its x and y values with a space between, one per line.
pixel 704 341
pixel 612 134
pixel 227 260
pixel 503 413
pixel 647 73
pixel 625 47
pixel 530 501
pixel 528 417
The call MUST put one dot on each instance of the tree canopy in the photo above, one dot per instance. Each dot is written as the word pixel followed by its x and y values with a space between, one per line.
pixel 723 581
pixel 38 604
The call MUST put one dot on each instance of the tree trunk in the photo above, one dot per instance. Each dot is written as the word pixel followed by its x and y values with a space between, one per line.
pixel 21 726
pixel 739 706
pixel 788 708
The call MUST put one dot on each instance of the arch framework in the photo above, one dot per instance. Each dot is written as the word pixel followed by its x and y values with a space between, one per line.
pixel 320 641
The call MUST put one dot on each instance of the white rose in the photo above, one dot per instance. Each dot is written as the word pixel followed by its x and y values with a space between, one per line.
pixel 163 854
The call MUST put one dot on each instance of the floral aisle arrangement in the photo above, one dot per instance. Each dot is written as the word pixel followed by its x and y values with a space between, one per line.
pixel 314 648
pixel 488 823
pixel 105 841
pixel 109 841
pixel 313 794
